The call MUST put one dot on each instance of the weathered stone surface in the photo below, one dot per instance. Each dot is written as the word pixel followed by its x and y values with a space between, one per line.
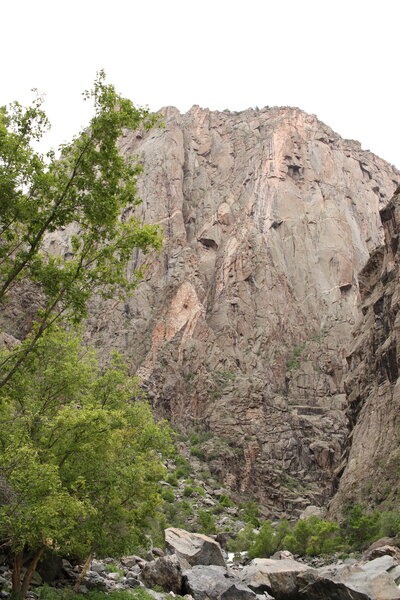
pixel 131 561
pixel 313 511
pixel 277 577
pixel 368 581
pixel 98 566
pixel 165 572
pixel 241 321
pixel 382 547
pixel 193 548
pixel 372 459
pixel 215 583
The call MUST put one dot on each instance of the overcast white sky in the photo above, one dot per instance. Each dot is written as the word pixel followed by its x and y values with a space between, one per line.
pixel 337 59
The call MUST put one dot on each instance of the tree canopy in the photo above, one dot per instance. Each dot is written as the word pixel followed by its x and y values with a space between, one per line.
pixel 80 453
pixel 85 191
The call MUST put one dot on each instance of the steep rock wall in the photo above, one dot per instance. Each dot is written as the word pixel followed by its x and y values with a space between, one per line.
pixel 371 462
pixel 242 322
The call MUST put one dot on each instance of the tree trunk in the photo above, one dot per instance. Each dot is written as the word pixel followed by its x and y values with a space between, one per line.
pixel 16 593
pixel 82 574
pixel 31 570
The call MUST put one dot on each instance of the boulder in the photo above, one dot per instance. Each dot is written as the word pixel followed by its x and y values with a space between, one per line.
pixel 277 577
pixel 313 511
pixel 223 538
pixel 95 580
pixel 214 583
pixel 193 548
pixel 97 566
pixel 131 561
pixel 382 547
pixel 361 581
pixel 132 582
pixel 164 572
pixel 282 554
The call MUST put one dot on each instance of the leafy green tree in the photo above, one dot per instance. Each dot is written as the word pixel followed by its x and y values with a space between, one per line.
pixel 79 456
pixel 313 536
pixel 85 191
pixel 389 523
pixel 325 539
pixel 269 539
pixel 358 528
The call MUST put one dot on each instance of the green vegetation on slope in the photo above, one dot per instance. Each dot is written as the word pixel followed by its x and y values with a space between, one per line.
pixel 314 536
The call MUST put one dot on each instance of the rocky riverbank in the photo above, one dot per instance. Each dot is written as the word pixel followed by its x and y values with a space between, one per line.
pixel 197 567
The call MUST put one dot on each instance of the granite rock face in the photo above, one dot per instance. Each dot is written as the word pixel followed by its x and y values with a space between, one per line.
pixel 193 548
pixel 242 322
pixel 371 462
pixel 277 577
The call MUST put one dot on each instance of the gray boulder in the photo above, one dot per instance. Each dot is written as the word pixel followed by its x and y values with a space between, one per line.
pixel 97 566
pixel 361 581
pixel 382 547
pixel 277 577
pixel 165 572
pixel 131 561
pixel 193 548
pixel 214 583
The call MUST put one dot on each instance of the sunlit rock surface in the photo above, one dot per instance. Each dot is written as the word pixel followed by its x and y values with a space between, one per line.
pixel 243 321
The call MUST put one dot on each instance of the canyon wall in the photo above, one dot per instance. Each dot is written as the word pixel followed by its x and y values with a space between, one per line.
pixel 242 323
pixel 371 462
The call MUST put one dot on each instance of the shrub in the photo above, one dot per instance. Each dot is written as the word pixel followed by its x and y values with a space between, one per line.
pixel 292 364
pixel 188 491
pixel 197 452
pixel 358 528
pixel 183 467
pixel 225 501
pixel 243 540
pixel 177 515
pixel 313 536
pixel 206 522
pixel 389 523
pixel 168 495
pixel 269 539
pixel 172 479
pixel 251 513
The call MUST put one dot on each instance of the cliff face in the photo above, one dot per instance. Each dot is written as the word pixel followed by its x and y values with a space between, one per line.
pixel 372 458
pixel 242 322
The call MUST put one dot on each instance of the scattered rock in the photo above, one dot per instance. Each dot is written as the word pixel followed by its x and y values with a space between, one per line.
pixel 97 566
pixel 193 548
pixel 165 572
pixel 131 561
pixel 277 577
pixel 214 583
pixel 313 511
pixel 223 538
pixel 282 555
pixel 361 581
pixel 382 547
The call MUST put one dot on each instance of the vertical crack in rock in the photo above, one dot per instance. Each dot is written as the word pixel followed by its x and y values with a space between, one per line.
pixel 371 462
